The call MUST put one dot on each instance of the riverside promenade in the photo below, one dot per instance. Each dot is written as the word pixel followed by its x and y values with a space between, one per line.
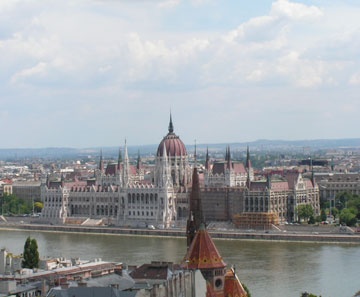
pixel 217 234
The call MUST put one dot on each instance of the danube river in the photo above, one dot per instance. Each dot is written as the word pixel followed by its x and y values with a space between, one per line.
pixel 269 269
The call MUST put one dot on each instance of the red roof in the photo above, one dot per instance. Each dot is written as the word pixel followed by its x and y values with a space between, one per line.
pixel 7 181
pixel 219 168
pixel 174 146
pixel 210 291
pixel 159 271
pixel 111 169
pixel 233 286
pixel 279 186
pixel 239 168
pixel 203 253
pixel 292 178
pixel 133 170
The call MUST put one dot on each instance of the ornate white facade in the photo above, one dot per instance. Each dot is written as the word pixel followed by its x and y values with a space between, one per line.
pixel 180 170
pixel 282 197
pixel 115 195
pixel 227 173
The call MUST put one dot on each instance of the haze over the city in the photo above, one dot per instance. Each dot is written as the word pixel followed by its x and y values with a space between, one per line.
pixel 90 73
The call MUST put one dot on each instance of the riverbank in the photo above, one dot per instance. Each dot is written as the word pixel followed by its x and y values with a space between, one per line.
pixel 333 238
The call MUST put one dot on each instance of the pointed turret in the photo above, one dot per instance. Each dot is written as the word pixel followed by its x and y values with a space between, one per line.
pixel 202 253
pixel 138 163
pixel 195 213
pixel 207 160
pixel 226 154
pixel 312 173
pixel 195 157
pixel 165 170
pixel 248 180
pixel 126 167
pixel 248 161
pixel 101 163
pixel 119 160
pixel 171 126
pixel 229 163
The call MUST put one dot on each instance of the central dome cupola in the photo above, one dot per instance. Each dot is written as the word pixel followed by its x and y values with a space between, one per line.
pixel 174 145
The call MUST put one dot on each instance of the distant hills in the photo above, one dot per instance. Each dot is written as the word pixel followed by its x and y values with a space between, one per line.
pixel 258 145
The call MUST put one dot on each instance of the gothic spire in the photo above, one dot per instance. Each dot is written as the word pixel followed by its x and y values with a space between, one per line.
pixel 138 163
pixel 207 160
pixel 312 172
pixel 126 167
pixel 101 163
pixel 195 214
pixel 165 172
pixel 229 158
pixel 195 157
pixel 248 161
pixel 119 159
pixel 171 126
pixel 248 181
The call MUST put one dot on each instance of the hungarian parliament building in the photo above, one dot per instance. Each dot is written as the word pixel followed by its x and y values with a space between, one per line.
pixel 119 194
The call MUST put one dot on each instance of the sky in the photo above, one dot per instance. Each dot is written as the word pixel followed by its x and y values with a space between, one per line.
pixel 85 73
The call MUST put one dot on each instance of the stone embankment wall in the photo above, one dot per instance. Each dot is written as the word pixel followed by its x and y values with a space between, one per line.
pixel 345 238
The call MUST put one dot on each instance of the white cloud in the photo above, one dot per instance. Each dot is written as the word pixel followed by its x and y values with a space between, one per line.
pixel 38 70
pixel 255 76
pixel 7 5
pixel 133 55
pixel 355 79
pixel 169 3
pixel 296 11
pixel 302 72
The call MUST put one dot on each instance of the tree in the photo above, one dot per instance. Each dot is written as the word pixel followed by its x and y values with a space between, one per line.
pixel 334 212
pixel 38 206
pixel 246 290
pixel 323 215
pixel 311 220
pixel 348 216
pixel 31 254
pixel 342 198
pixel 305 211
pixel 12 204
pixel 354 203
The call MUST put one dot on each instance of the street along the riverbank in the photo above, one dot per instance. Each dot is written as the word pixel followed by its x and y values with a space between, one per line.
pixel 217 234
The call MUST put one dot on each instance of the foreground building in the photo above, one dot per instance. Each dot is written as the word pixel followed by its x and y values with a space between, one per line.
pixel 60 277
pixel 203 255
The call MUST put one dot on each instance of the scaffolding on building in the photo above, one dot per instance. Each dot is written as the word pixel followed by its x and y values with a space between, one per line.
pixel 256 220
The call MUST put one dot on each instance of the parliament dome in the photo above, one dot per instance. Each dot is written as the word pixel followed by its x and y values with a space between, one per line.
pixel 173 144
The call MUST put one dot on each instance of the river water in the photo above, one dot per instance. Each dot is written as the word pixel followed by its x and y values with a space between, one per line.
pixel 269 269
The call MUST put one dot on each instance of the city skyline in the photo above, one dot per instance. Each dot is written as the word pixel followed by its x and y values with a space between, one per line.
pixel 91 73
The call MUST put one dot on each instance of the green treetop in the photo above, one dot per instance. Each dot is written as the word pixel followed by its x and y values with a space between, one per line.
pixel 31 254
